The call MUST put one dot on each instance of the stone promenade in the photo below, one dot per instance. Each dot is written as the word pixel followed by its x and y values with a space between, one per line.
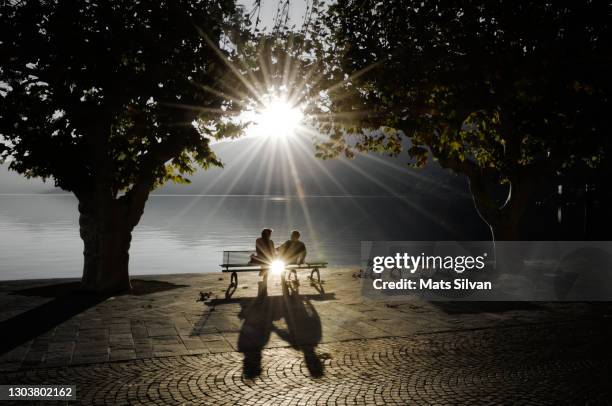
pixel 178 340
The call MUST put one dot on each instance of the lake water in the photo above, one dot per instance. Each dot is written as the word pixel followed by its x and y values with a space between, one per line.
pixel 39 236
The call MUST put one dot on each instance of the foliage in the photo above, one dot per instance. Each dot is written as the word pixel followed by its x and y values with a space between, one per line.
pixel 107 92
pixel 503 92
pixel 497 87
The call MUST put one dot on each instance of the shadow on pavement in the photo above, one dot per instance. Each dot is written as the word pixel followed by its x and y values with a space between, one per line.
pixel 56 290
pixel 303 329
pixel 140 287
pixel 303 326
pixel 68 301
pixel 37 321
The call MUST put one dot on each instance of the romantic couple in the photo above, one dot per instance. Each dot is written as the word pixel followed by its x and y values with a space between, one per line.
pixel 293 251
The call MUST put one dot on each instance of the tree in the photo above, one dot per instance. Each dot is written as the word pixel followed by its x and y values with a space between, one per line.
pixel 503 92
pixel 101 98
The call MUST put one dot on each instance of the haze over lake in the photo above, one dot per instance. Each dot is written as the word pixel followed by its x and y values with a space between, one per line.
pixel 181 234
pixel 185 227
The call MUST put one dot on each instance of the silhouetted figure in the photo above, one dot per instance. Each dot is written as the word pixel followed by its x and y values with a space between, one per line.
pixel 293 251
pixel 258 317
pixel 264 248
pixel 264 255
pixel 303 331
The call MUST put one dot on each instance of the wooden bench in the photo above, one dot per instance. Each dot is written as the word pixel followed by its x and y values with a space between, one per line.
pixel 238 261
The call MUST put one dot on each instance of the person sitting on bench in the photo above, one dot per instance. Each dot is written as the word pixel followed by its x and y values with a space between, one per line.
pixel 293 251
pixel 264 255
pixel 264 248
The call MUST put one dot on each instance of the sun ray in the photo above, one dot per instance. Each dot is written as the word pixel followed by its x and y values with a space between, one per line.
pixel 204 192
pixel 239 99
pixel 304 206
pixel 263 65
pixel 405 171
pixel 288 77
pixel 198 108
pixel 365 216
pixel 239 75
pixel 420 210
pixel 260 170
pixel 308 152
pixel 269 173
pixel 271 109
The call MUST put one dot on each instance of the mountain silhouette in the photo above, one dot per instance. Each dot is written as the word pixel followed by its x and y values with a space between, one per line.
pixel 274 167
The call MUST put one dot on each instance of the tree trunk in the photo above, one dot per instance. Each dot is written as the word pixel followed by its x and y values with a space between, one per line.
pixel 106 238
pixel 503 221
pixel 507 229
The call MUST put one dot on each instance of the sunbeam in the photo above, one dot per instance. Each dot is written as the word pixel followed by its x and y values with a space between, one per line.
pixel 278 117
pixel 269 103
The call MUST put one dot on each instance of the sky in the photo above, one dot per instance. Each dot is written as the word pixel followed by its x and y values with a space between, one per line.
pixel 269 9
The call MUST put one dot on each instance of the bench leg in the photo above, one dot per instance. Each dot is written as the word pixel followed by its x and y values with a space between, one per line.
pixel 294 272
pixel 318 275
pixel 234 279
pixel 262 286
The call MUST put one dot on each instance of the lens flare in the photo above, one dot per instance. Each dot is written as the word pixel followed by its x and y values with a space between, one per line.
pixel 276 267
pixel 278 117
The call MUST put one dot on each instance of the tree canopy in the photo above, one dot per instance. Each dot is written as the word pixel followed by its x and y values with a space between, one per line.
pixel 501 91
pixel 102 97
pixel 110 89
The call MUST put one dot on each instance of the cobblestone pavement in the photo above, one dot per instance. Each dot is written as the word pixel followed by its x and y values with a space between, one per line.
pixel 551 364
pixel 51 327
pixel 314 344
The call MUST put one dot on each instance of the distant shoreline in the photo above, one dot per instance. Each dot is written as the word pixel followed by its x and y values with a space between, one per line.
pixel 137 276
pixel 279 196
pixel 76 279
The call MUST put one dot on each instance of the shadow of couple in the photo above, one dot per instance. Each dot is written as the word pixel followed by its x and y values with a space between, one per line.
pixel 303 328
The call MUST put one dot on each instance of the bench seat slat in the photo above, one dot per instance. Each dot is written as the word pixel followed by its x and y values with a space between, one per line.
pixel 250 267
pixel 233 267
pixel 306 264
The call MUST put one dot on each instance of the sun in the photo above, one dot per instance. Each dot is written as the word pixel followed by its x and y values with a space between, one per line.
pixel 277 117
pixel 277 267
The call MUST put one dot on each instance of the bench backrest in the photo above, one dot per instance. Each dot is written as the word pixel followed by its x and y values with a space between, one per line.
pixel 237 257
pixel 241 259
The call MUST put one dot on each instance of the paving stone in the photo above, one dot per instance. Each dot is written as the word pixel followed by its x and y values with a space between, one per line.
pixel 161 331
pixel 210 337
pixel 34 358
pixel 192 343
pixel 139 332
pixel 308 348
pixel 89 358
pixel 122 354
pixel 113 338
pixel 166 340
pixel 219 346
pixel 469 367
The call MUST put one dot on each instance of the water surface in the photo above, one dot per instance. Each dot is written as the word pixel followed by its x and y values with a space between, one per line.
pixel 39 236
